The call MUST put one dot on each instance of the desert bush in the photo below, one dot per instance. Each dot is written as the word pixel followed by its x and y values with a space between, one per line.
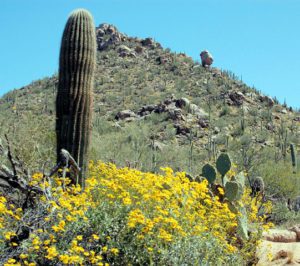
pixel 280 182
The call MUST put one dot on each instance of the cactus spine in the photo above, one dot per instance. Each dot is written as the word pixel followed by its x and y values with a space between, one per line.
pixel 74 100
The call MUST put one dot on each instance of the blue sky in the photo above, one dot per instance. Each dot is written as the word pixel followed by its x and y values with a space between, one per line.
pixel 258 40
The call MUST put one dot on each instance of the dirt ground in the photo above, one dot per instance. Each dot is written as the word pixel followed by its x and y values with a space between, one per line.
pixel 278 253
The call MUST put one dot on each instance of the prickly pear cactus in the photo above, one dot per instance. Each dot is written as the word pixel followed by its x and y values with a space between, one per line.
pixel 209 172
pixel 240 178
pixel 223 164
pixel 74 100
pixel 242 228
pixel 232 190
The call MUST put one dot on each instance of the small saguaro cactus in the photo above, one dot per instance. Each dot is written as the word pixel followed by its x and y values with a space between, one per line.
pixel 74 100
pixel 294 159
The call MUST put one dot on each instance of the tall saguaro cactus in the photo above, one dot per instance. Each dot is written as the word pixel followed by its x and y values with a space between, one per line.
pixel 74 102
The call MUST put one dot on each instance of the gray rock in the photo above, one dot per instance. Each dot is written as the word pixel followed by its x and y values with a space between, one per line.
pixel 217 130
pixel 125 114
pixel 182 102
pixel 237 98
pixel 182 129
pixel 149 42
pixel 203 123
pixel 108 35
pixel 266 99
pixel 175 113
pixel 124 51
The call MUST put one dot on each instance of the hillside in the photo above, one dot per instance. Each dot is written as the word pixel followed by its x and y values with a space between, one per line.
pixel 156 108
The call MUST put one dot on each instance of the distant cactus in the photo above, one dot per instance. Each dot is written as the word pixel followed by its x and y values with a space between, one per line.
pixel 257 186
pixel 75 88
pixel 209 172
pixel 294 158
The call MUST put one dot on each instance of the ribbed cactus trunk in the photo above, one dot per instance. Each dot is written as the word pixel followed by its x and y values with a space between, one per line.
pixel 74 102
pixel 294 158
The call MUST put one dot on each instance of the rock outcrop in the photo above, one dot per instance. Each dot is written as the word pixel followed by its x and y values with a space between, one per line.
pixel 108 35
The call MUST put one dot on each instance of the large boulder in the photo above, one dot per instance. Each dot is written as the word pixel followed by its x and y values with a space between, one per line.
pixel 148 109
pixel 125 51
pixel 266 99
pixel 197 111
pixel 236 98
pixel 296 229
pixel 182 102
pixel 182 129
pixel 150 43
pixel 274 253
pixel 206 58
pixel 283 236
pixel 125 114
pixel 175 113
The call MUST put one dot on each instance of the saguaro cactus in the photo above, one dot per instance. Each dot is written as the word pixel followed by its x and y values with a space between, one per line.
pixel 74 100
pixel 294 157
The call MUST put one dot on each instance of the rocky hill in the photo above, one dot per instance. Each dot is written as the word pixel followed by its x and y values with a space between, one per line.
pixel 155 108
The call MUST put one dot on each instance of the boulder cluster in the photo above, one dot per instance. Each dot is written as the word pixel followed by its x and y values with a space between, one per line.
pixel 108 36
pixel 181 111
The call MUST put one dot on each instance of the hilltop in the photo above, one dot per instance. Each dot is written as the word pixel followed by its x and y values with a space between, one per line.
pixel 156 108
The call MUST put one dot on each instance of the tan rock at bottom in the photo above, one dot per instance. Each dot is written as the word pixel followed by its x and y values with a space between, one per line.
pixel 296 229
pixel 274 253
pixel 276 235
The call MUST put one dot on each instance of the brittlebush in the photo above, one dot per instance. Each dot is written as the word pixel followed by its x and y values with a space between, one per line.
pixel 127 217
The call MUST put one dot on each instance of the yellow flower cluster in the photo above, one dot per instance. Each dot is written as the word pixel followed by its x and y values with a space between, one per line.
pixel 166 206
pixel 159 208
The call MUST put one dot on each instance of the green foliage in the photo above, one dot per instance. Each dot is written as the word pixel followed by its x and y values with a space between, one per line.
pixel 280 182
pixel 284 217
pixel 75 87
